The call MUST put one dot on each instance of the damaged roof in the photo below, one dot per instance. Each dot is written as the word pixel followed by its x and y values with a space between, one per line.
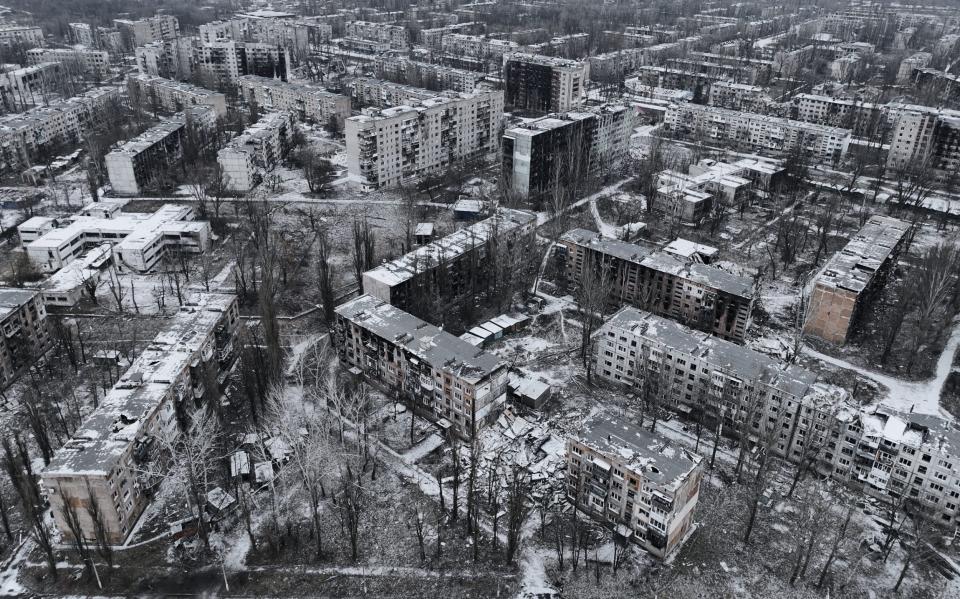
pixel 436 347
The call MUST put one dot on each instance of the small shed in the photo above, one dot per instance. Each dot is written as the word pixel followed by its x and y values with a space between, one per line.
pixel 482 333
pixel 263 472
pixel 467 209
pixel 472 339
pixel 106 358
pixel 239 465
pixel 691 251
pixel 529 391
pixel 496 332
pixel 219 501
pixel 423 233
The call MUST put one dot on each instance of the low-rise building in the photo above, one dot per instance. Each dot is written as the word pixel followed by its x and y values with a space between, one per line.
pixel 757 132
pixel 434 372
pixel 401 144
pixel 641 484
pixel 174 96
pixel 100 469
pixel 258 150
pixel 699 295
pixel 454 267
pixel 65 288
pixel 304 102
pixel 25 338
pixel 690 197
pixel 852 276
pixel 139 239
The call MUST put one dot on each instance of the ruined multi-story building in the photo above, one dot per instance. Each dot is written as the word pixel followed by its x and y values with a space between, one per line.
pixel 699 295
pixel 852 276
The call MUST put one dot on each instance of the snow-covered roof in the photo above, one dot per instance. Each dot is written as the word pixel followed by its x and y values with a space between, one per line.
pixel 688 249
pixel 450 247
pixel 111 431
pixel 11 300
pixel 718 354
pixel 854 266
pixel 664 262
pixel 655 457
pixel 436 347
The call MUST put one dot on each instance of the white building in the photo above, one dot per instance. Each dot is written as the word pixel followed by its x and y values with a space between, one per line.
pixel 304 102
pixel 291 34
pixel 172 58
pixel 21 35
pixel 757 132
pixel 174 96
pixel 400 144
pixel 426 75
pixel 145 31
pixel 396 36
pixel 912 63
pixel 476 46
pixel 66 287
pixel 94 63
pixel 139 240
pixel 258 150
pixel 81 33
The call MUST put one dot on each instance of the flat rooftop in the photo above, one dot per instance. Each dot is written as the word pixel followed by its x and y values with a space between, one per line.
pixel 432 345
pixel 652 258
pixel 132 229
pixel 657 458
pixel 853 267
pixel 449 248
pixel 726 356
pixel 11 299
pixel 108 433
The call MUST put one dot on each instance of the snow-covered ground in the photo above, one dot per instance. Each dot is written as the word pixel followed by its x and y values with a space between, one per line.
pixel 922 397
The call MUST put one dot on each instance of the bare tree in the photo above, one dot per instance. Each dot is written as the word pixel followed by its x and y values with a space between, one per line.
pixel 592 297
pixel 25 482
pixel 189 461
pixel 364 248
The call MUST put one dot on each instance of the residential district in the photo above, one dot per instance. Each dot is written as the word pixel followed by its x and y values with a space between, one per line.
pixel 507 298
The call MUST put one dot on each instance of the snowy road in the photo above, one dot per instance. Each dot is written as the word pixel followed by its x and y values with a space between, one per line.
pixel 922 397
